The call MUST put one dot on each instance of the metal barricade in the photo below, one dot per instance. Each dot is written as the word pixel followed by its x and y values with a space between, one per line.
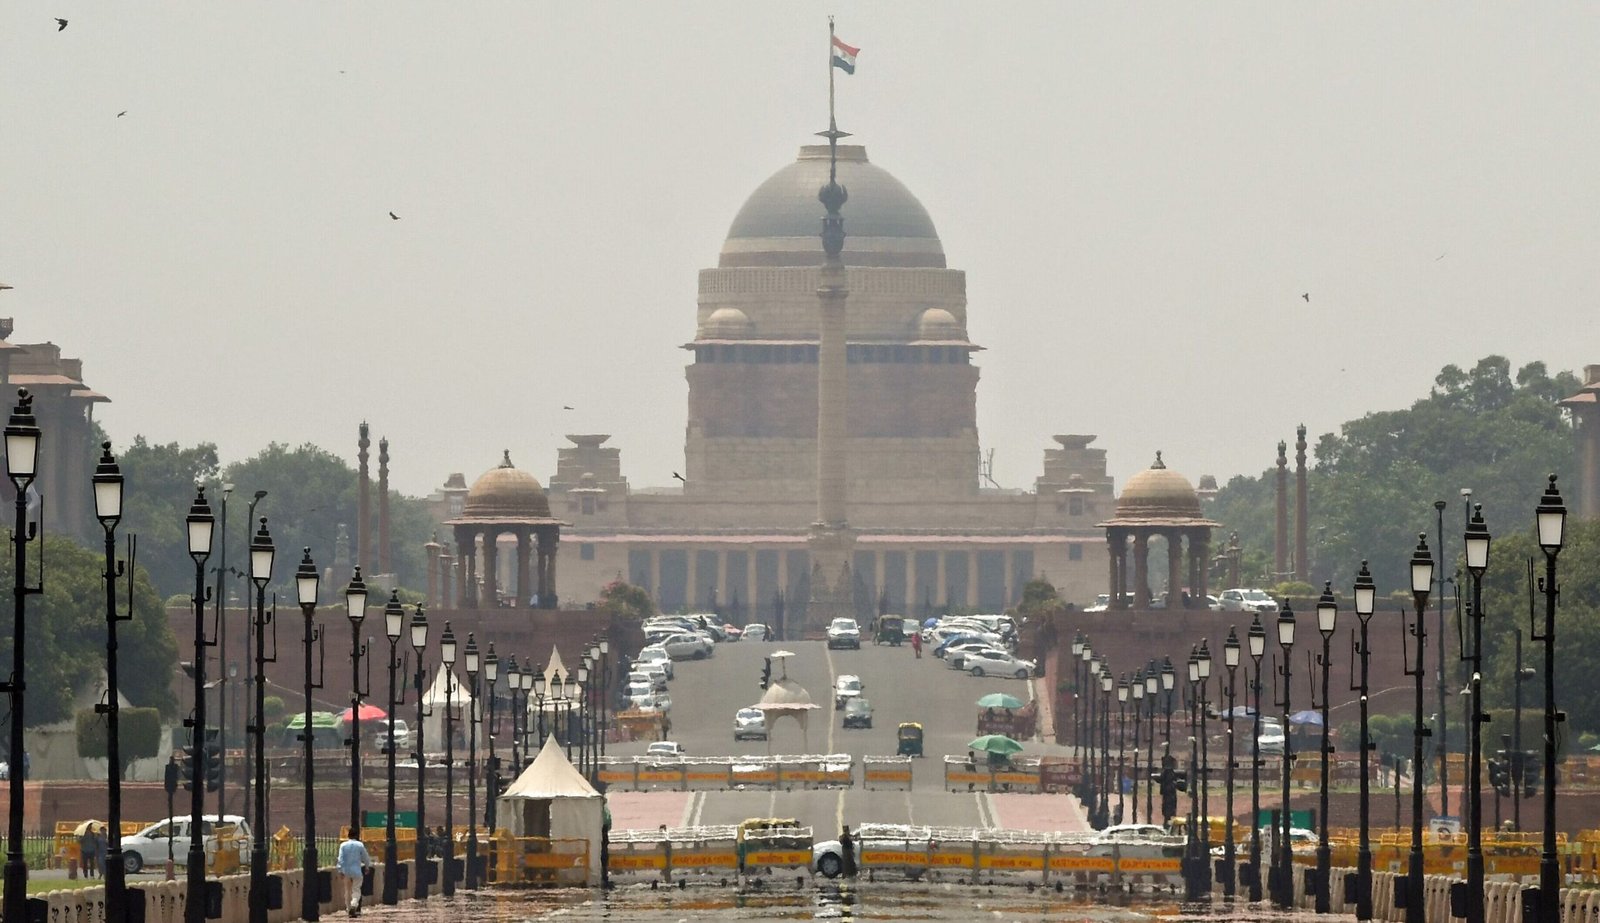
pixel 886 772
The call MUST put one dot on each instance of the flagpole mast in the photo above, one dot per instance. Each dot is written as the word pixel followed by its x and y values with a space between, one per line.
pixel 833 127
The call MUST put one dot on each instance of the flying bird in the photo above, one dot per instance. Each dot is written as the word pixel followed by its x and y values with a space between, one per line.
pixel 122 113
pixel 61 24
pixel 394 216
pixel 1441 256
pixel 679 477
pixel 565 407
pixel 1307 297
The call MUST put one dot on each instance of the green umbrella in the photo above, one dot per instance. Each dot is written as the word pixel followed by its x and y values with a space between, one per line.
pixel 995 743
pixel 999 700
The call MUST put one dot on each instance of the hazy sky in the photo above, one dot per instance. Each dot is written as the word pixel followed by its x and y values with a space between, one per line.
pixel 1139 194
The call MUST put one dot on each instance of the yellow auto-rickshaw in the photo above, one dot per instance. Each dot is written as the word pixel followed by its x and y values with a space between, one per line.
pixel 910 737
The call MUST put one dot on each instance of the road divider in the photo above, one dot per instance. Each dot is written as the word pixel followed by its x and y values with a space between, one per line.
pixel 788 772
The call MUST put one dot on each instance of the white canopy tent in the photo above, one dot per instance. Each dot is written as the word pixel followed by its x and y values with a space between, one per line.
pixel 552 799
pixel 433 702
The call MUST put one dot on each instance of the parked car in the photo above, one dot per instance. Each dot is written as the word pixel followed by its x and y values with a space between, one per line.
pixel 857 712
pixel 1271 737
pixel 844 632
pixel 846 687
pixel 951 650
pixel 985 662
pixel 655 679
pixel 1101 603
pixel 1239 599
pixel 151 846
pixel 394 732
pixel 687 646
pixel 665 748
pixel 655 655
pixel 756 632
pixel 650 700
pixel 750 724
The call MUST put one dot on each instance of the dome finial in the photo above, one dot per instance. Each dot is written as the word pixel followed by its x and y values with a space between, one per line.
pixel 506 461
pixel 1158 462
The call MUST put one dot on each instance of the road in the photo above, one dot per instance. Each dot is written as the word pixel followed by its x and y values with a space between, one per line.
pixel 705 695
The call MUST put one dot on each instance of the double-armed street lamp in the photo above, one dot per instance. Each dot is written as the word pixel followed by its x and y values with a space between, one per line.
pixel 1421 587
pixel 305 581
pixel 1257 639
pixel 108 484
pixel 1476 541
pixel 199 525
pixel 261 557
pixel 1551 517
pixel 393 626
pixel 1366 594
pixel 1327 616
pixel 447 657
pixel 1285 866
pixel 1230 660
pixel 474 665
pixel 419 644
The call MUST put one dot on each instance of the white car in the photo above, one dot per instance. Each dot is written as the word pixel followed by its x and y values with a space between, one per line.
pixel 756 632
pixel 983 662
pixel 687 646
pixel 1271 737
pixel 150 847
pixel 654 679
pixel 650 700
pixel 844 632
pixel 654 656
pixel 955 653
pixel 750 724
pixel 847 686
pixel 670 749
pixel 1239 599
pixel 1101 603
pixel 395 732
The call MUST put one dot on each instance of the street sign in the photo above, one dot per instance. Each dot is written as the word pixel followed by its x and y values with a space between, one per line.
pixel 380 819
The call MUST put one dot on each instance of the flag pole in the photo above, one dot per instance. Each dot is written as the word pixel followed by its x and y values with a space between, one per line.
pixel 833 128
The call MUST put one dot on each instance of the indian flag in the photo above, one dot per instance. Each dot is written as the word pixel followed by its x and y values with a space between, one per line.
pixel 844 56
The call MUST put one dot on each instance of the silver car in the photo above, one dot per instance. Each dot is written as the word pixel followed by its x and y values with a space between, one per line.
pixel 750 724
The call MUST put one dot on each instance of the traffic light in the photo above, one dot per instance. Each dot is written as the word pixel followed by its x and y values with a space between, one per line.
pixel 766 674
pixel 1530 774
pixel 213 766
pixel 1500 775
pixel 1180 779
pixel 190 763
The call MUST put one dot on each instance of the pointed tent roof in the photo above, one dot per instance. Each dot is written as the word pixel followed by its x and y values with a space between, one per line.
pixel 786 695
pixel 551 775
pixel 459 695
pixel 555 666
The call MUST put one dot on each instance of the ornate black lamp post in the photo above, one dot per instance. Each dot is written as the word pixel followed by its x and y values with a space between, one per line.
pixel 355 599
pixel 1136 692
pixel 305 581
pixel 1078 643
pixel 1169 682
pixel 1152 686
pixel 580 696
pixel 1327 616
pixel 514 688
pixel 1106 685
pixel 199 524
pixel 108 509
pixel 1421 586
pixel 419 644
pixel 1285 867
pixel 1258 649
pixel 1551 515
pixel 1366 594
pixel 1203 867
pixel 538 695
pixel 473 664
pixel 605 691
pixel 447 656
pixel 1087 684
pixel 1122 738
pixel 393 625
pixel 22 456
pixel 261 555
pixel 1230 660
pixel 1477 544
pixel 491 785
pixel 1192 855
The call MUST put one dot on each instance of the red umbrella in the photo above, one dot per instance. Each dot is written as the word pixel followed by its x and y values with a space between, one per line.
pixel 368 713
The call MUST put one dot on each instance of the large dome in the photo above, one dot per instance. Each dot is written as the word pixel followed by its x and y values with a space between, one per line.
pixel 781 223
pixel 506 493
pixel 1158 492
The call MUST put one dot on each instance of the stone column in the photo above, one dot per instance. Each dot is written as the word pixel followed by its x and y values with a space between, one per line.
pixel 447 579
pixel 1141 571
pixel 364 503
pixel 972 579
pixel 1200 548
pixel 1589 458
pixel 491 568
pixel 942 588
pixel 548 544
pixel 1113 566
pixel 1280 545
pixel 1301 510
pixel 1174 569
pixel 467 567
pixel 524 554
pixel 430 553
pixel 1122 573
pixel 385 565
pixel 691 581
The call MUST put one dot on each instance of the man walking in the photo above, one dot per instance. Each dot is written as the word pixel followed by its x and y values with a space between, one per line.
pixel 916 643
pixel 354 860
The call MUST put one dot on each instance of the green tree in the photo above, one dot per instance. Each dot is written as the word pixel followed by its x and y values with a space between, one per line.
pixel 159 486
pixel 138 730
pixel 66 634
pixel 622 598
pixel 1039 598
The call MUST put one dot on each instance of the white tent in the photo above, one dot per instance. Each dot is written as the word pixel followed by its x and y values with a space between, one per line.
pixel 433 702
pixel 552 799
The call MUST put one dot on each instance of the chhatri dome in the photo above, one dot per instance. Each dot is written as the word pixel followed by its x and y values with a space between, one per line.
pixel 506 493
pixel 1158 492
pixel 884 223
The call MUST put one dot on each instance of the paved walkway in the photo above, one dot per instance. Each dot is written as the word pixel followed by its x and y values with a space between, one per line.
pixel 646 810
pixel 1059 813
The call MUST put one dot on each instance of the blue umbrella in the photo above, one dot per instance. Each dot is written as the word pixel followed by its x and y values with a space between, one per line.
pixel 930 623
pixel 1306 717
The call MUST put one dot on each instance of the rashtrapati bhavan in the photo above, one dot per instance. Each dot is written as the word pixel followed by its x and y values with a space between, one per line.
pixel 751 529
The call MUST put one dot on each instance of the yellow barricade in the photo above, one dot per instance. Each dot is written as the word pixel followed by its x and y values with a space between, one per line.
pixel 872 858
pixel 872 774
pixel 661 775
pixel 773 857
pixel 633 862
pixel 706 859
pixel 1009 860
pixel 617 775
pixel 707 774
pixel 1149 866
pixel 755 777
pixel 1060 863
pixel 951 858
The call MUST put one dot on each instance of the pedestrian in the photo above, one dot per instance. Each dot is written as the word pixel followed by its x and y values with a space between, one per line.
pixel 101 833
pixel 916 644
pixel 847 845
pixel 86 851
pixel 27 765
pixel 353 862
